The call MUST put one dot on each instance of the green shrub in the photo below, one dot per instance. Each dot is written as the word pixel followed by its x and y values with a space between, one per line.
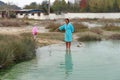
pixel 6 55
pixel 111 28
pixel 115 37
pixel 89 36
pixel 96 30
pixel 15 49
pixel 23 49
pixel 79 27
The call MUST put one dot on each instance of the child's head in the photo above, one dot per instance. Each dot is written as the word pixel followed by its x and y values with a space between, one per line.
pixel 67 20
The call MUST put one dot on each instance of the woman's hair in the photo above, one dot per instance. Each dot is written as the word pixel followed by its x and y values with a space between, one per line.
pixel 67 20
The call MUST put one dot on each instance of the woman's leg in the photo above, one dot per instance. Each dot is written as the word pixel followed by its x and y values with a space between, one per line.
pixel 66 45
pixel 69 45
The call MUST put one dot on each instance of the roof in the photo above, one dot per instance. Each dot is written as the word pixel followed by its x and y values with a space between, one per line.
pixel 29 10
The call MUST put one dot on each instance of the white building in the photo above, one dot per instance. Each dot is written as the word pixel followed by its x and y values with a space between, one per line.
pixel 30 14
pixel 39 15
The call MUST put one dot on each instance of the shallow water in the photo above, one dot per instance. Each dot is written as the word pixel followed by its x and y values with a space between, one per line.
pixel 92 61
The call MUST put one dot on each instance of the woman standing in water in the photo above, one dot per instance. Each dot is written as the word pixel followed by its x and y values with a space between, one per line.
pixel 69 29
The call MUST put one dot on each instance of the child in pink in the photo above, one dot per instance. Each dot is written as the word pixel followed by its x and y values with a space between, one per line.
pixel 34 32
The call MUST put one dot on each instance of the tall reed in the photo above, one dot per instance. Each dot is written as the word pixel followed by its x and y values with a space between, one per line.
pixel 15 49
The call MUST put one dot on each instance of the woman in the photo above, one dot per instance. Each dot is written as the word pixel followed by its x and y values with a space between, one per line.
pixel 69 29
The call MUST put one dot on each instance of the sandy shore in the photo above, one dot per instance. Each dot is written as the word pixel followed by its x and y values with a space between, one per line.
pixel 18 30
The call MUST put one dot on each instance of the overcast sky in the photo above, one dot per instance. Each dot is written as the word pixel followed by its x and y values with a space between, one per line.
pixel 21 3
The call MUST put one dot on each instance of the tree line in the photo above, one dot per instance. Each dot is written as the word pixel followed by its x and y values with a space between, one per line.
pixel 59 6
pixel 100 5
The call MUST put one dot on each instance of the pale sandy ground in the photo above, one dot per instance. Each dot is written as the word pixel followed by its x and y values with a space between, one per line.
pixel 25 29
pixel 18 30
pixel 48 41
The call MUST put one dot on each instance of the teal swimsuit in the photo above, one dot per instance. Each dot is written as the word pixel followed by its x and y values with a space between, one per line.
pixel 69 29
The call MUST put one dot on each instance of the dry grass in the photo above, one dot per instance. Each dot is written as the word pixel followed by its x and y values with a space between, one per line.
pixel 50 35
pixel 114 37
pixel 111 28
pixel 53 36
pixel 15 49
pixel 12 22
pixel 52 26
pixel 89 36
pixel 44 39
pixel 50 38
pixel 96 30
pixel 79 27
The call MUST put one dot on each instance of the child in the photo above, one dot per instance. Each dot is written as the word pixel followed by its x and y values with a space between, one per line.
pixel 69 29
pixel 34 32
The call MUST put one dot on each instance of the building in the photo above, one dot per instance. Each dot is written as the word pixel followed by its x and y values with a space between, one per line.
pixel 30 14
pixel 3 14
pixel 7 13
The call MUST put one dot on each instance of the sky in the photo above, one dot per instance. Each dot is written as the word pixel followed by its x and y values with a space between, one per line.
pixel 22 3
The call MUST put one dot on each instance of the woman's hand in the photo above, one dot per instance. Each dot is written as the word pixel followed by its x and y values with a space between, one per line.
pixel 56 30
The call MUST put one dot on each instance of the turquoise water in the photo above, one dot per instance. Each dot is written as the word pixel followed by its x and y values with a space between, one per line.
pixel 92 61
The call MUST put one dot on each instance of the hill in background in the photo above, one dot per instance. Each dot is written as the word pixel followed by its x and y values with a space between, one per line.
pixel 2 3
pixel 4 6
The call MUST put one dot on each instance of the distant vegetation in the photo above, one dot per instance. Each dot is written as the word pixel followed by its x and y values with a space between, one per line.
pixel 82 6
pixel 8 6
pixel 100 5
pixel 2 3
pixel 60 6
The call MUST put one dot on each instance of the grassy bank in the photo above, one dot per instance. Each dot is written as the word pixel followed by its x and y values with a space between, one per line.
pixel 111 28
pixel 15 49
pixel 89 36
pixel 50 38
pixel 93 36
pixel 44 39
pixel 13 23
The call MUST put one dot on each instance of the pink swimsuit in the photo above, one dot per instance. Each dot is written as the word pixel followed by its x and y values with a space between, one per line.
pixel 34 30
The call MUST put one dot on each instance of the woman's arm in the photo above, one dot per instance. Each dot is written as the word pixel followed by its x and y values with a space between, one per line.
pixel 60 28
pixel 56 29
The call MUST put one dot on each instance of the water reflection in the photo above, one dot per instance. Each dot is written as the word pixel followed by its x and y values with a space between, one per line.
pixel 68 63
